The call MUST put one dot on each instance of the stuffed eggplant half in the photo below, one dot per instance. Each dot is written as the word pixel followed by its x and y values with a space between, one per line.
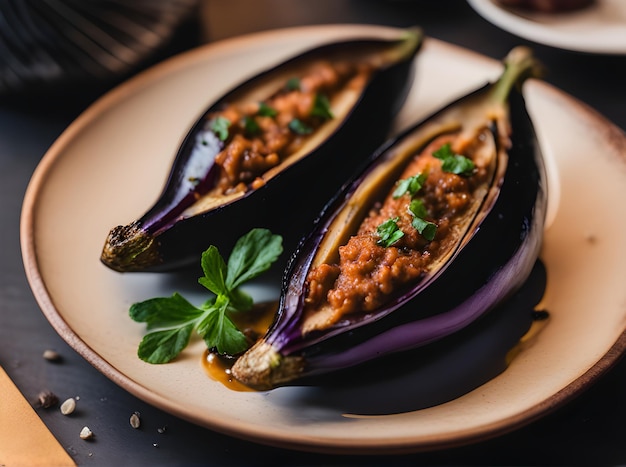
pixel 294 132
pixel 444 223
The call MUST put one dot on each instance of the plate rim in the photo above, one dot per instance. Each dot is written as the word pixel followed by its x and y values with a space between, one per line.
pixel 406 444
pixel 535 32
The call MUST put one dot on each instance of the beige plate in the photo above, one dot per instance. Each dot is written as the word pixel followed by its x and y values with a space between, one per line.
pixel 600 28
pixel 111 163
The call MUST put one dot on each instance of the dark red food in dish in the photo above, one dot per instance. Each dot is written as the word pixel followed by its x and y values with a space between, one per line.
pixel 547 6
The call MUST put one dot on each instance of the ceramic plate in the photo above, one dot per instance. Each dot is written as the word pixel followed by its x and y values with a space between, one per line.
pixel 111 163
pixel 600 28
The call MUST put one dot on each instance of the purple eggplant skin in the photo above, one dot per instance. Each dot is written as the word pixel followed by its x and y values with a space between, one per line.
pixel 493 263
pixel 167 238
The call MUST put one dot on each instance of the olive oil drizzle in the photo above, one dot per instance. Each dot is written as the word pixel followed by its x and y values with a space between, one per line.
pixel 254 324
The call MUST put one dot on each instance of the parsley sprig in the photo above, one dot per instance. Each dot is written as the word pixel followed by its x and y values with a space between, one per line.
pixel 453 163
pixel 266 110
pixel 321 107
pixel 293 84
pixel 172 320
pixel 410 185
pixel 299 127
pixel 389 232
pixel 426 228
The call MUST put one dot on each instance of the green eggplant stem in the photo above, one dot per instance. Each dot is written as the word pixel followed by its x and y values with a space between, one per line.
pixel 519 65
pixel 411 39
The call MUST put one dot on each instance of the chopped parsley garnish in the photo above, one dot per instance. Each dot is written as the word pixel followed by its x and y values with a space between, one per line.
pixel 220 126
pixel 266 111
pixel 453 163
pixel 292 84
pixel 409 185
pixel 416 207
pixel 172 320
pixel 250 125
pixel 299 127
pixel 389 232
pixel 426 228
pixel 321 107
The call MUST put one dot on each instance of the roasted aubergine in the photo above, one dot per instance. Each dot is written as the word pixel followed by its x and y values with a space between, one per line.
pixel 271 152
pixel 444 223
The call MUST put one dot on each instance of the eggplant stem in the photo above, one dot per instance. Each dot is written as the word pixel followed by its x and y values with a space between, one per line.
pixel 411 39
pixel 519 64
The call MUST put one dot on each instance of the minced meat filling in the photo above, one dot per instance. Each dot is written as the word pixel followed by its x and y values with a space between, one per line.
pixel 368 273
pixel 262 135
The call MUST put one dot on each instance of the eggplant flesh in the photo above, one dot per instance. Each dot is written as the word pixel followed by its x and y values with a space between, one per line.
pixel 293 132
pixel 480 255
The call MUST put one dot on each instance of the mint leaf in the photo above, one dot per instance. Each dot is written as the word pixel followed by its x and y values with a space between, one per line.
pixel 163 346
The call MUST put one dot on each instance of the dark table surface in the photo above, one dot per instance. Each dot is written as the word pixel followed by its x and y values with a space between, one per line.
pixel 588 430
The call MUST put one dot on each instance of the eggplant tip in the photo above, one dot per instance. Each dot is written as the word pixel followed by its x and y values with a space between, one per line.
pixel 263 368
pixel 129 248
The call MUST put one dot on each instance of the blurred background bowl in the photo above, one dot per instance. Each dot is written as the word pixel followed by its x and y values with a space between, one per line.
pixel 56 45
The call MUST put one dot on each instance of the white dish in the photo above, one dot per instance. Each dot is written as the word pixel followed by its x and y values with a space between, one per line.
pixel 599 28
pixel 111 163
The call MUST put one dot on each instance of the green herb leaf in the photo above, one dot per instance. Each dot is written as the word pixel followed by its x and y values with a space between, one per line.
pixel 252 255
pixel 220 126
pixel 410 185
pixel 163 346
pixel 266 111
pixel 426 228
pixel 292 84
pixel 164 312
pixel 389 232
pixel 240 300
pixel 453 163
pixel 175 318
pixel 220 333
pixel 250 126
pixel 321 107
pixel 215 272
pixel 299 127
pixel 416 207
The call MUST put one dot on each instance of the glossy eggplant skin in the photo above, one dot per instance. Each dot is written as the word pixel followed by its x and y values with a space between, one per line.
pixel 495 260
pixel 166 237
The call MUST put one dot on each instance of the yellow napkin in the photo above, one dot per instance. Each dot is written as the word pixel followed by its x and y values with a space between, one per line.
pixel 25 440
